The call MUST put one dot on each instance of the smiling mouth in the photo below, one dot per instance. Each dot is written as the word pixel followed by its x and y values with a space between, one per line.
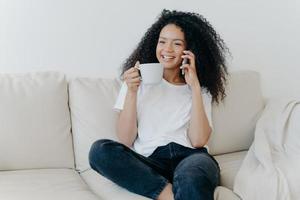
pixel 167 58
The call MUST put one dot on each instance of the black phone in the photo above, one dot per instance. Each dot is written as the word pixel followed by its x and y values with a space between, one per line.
pixel 184 61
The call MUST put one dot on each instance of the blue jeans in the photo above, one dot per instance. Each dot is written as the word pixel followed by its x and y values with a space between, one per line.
pixel 193 173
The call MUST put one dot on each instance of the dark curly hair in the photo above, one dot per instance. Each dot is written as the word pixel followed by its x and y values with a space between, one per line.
pixel 201 39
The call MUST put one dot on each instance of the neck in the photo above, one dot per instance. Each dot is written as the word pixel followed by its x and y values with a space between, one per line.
pixel 172 76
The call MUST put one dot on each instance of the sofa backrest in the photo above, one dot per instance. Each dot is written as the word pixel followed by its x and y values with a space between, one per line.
pixel 235 118
pixel 34 122
pixel 93 118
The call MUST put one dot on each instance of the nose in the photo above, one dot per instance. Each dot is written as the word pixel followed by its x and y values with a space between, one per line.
pixel 168 47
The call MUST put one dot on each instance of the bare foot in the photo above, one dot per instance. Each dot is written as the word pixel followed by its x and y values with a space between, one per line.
pixel 167 193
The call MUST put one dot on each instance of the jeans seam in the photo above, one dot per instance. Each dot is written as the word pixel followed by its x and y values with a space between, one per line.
pixel 176 194
pixel 172 153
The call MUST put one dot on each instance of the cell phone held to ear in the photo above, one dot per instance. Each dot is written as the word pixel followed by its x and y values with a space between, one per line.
pixel 184 61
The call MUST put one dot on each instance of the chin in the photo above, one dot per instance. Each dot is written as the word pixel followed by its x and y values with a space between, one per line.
pixel 170 66
pixel 167 64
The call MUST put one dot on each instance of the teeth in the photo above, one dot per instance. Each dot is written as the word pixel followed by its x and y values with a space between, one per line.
pixel 168 57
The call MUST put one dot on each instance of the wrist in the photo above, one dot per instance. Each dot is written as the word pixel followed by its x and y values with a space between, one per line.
pixel 195 86
pixel 132 92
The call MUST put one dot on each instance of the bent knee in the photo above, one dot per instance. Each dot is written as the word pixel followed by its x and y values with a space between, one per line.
pixel 199 168
pixel 100 148
pixel 198 162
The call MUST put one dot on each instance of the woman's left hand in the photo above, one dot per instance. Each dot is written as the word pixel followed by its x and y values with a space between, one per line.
pixel 190 73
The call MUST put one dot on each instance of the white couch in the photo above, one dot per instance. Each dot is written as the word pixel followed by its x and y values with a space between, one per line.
pixel 47 125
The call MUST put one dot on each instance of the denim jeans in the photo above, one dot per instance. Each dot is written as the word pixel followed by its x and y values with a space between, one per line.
pixel 193 173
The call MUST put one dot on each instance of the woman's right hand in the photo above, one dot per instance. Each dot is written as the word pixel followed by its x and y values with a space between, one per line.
pixel 132 78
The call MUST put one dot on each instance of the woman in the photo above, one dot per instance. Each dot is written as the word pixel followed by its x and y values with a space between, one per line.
pixel 163 128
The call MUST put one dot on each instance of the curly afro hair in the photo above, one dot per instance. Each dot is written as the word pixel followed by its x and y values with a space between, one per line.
pixel 209 49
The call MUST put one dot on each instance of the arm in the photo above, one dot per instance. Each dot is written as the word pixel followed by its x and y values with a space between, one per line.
pixel 127 120
pixel 199 129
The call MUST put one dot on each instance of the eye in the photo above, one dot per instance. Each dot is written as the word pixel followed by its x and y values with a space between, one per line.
pixel 161 41
pixel 178 44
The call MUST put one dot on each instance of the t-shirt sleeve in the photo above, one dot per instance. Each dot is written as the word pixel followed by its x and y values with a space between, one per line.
pixel 207 100
pixel 119 104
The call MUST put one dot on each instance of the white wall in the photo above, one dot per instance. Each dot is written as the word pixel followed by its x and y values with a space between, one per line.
pixel 93 37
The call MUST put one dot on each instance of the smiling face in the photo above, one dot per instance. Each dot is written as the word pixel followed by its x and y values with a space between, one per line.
pixel 170 47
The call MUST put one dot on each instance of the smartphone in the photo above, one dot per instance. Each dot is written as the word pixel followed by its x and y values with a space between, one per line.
pixel 184 61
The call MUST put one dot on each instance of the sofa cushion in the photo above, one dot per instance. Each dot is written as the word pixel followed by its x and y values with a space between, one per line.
pixel 222 193
pixel 106 189
pixel 34 122
pixel 92 114
pixel 235 118
pixel 230 164
pixel 44 184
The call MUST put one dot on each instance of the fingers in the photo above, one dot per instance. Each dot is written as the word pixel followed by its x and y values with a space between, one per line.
pixel 185 67
pixel 187 56
pixel 132 72
pixel 134 68
pixel 134 80
pixel 137 65
pixel 132 76
pixel 190 56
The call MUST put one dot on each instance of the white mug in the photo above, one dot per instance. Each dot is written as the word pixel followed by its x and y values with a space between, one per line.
pixel 151 73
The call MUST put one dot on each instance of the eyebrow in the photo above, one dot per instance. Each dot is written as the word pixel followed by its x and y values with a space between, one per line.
pixel 172 39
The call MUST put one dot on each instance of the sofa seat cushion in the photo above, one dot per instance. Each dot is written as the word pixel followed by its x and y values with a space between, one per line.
pixel 44 184
pixel 230 164
pixel 106 189
pixel 222 193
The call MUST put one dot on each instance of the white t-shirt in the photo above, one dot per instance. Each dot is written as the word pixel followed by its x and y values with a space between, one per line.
pixel 163 114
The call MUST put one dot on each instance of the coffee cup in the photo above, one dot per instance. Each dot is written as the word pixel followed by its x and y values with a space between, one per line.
pixel 151 73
